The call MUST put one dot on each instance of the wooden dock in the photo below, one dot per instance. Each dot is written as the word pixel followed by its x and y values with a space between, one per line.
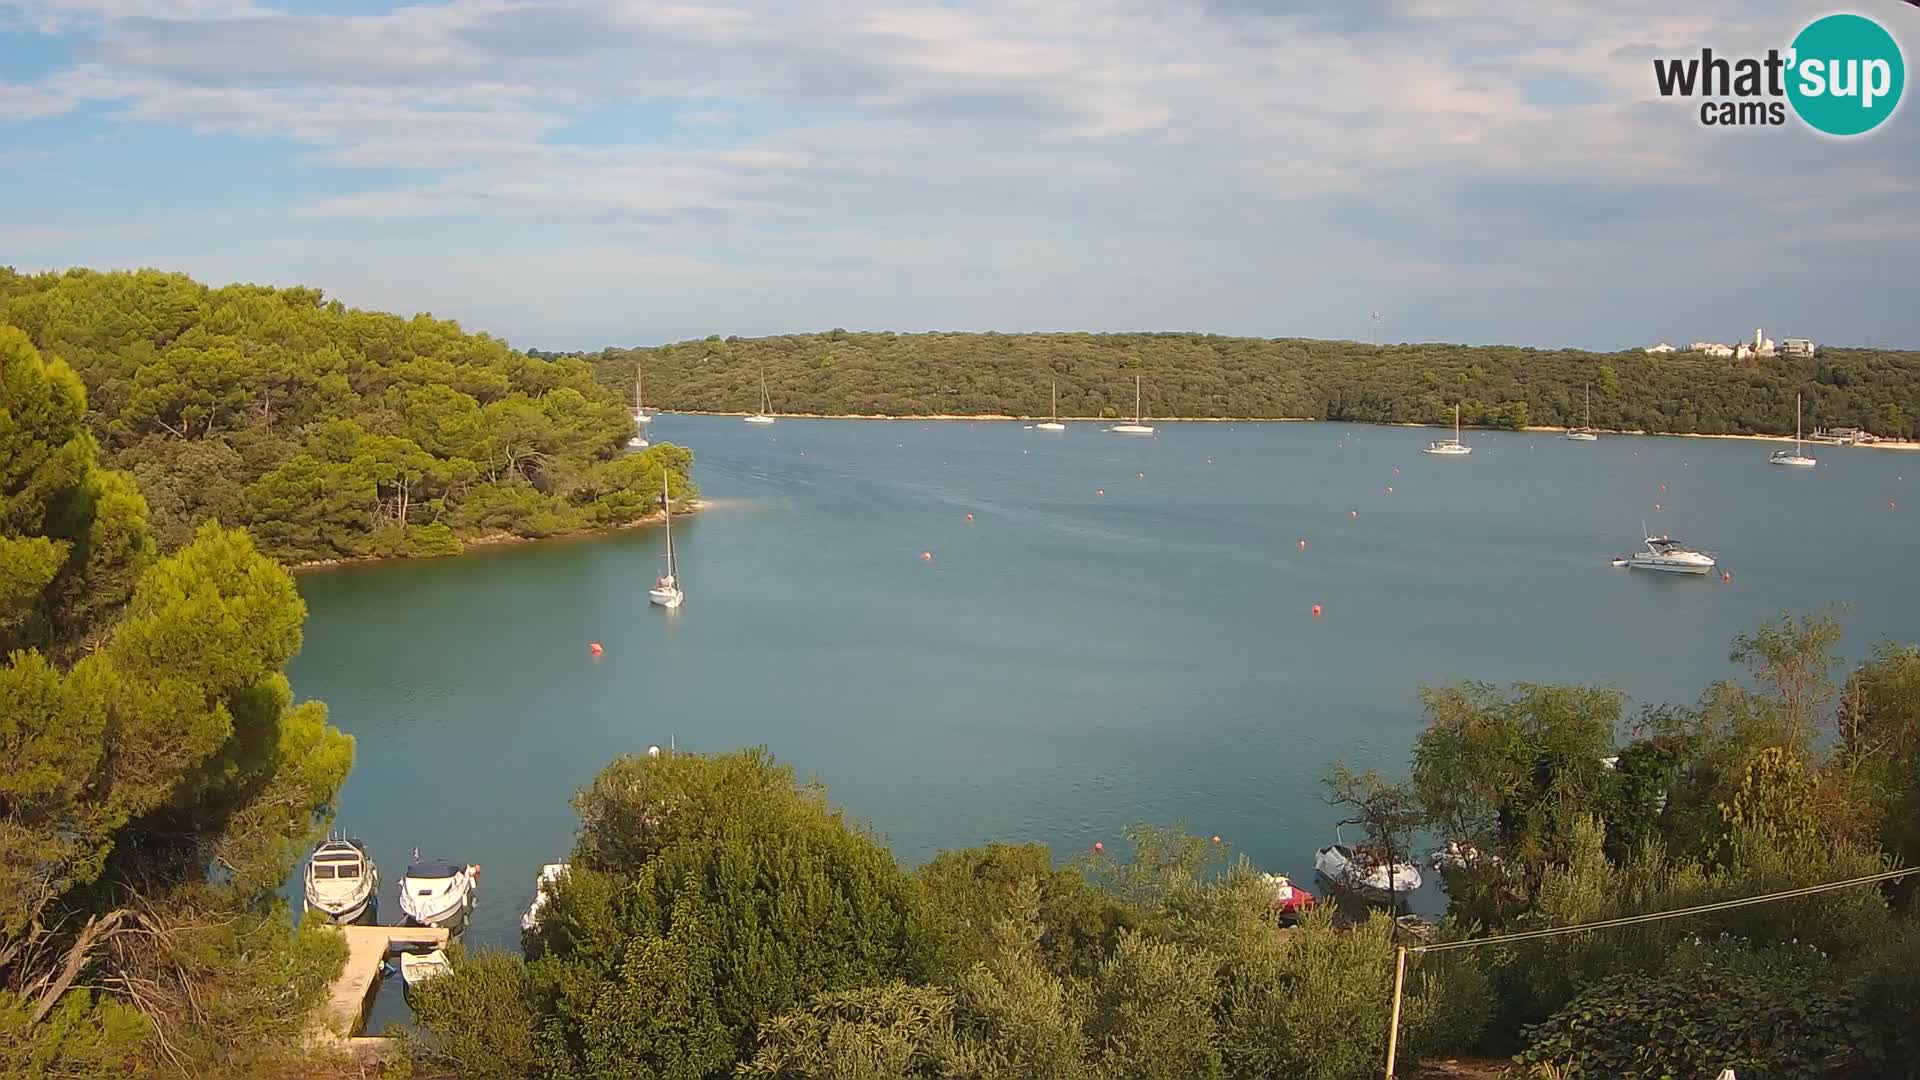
pixel 348 999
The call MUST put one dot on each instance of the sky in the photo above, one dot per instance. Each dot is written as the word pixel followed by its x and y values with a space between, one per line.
pixel 572 175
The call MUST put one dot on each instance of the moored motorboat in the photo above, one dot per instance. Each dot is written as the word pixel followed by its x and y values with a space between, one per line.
pixel 1289 901
pixel 435 892
pixel 550 874
pixel 1355 872
pixel 1666 554
pixel 417 968
pixel 342 882
pixel 1458 855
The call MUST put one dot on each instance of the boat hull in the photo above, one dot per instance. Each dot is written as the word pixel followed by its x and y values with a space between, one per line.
pixel 1670 568
pixel 759 419
pixel 1049 427
pixel 1795 462
pixel 1131 429
pixel 347 914
pixel 1448 451
pixel 666 598
pixel 1582 436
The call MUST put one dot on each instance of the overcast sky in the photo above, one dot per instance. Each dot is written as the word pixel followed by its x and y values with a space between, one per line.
pixel 568 174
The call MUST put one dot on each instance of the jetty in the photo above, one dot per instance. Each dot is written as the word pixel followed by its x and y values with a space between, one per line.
pixel 348 999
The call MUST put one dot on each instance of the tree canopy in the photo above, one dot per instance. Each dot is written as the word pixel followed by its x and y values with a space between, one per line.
pixel 1206 375
pixel 329 432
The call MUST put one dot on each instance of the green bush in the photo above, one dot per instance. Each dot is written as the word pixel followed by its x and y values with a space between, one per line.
pixel 477 1021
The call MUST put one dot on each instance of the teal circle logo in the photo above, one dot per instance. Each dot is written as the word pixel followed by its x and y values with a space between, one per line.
pixel 1847 74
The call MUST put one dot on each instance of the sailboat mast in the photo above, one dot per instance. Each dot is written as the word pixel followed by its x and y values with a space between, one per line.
pixel 638 377
pixel 1456 423
pixel 666 505
pixel 1056 401
pixel 1136 399
pixel 1589 405
pixel 1796 423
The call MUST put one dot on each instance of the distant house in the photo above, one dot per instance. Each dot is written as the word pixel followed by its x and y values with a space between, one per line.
pixel 1660 348
pixel 1765 348
pixel 1743 352
pixel 1798 346
pixel 1713 349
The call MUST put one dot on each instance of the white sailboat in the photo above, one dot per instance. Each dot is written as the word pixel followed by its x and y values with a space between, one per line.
pixel 1053 424
pixel 666 589
pixel 641 414
pixel 1584 433
pixel 1135 428
pixel 761 417
pixel 1795 457
pixel 1450 447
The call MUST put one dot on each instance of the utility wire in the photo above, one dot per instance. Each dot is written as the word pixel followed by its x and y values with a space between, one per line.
pixel 1700 909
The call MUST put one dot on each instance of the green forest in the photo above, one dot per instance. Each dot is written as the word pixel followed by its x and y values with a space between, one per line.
pixel 329 432
pixel 1204 375
pixel 722 919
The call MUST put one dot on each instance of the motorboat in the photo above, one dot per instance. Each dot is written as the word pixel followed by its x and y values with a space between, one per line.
pixel 1450 447
pixel 1667 554
pixel 766 402
pixel 1288 900
pixel 1357 873
pixel 435 892
pixel 666 591
pixel 1584 433
pixel 1053 424
pixel 1796 457
pixel 416 968
pixel 1459 855
pixel 549 874
pixel 1136 427
pixel 342 881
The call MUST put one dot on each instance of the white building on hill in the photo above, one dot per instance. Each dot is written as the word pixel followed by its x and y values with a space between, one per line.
pixel 1663 347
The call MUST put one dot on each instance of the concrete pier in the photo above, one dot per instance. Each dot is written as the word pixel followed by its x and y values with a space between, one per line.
pixel 348 999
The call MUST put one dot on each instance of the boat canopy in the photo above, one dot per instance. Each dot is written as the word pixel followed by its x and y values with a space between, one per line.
pixel 434 868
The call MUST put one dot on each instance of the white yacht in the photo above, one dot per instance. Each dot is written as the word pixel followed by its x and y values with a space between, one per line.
pixel 435 892
pixel 416 968
pixel 1584 433
pixel 1670 555
pixel 1135 428
pixel 666 588
pixel 761 417
pixel 342 881
pixel 1348 869
pixel 1053 424
pixel 638 442
pixel 1795 457
pixel 549 874
pixel 641 414
pixel 1450 447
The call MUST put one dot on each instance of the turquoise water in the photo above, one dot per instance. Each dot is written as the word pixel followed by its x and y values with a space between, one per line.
pixel 1067 662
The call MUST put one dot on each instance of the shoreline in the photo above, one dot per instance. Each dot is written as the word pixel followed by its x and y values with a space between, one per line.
pixel 485 540
pixel 1008 418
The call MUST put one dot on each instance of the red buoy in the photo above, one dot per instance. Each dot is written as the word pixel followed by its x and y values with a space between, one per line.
pixel 1353 513
pixel 1098 846
pixel 1099 491
pixel 1656 508
pixel 1396 472
pixel 1303 545
pixel 926 556
pixel 1389 489
pixel 1316 611
pixel 1663 487
pixel 1889 504
pixel 969 517
pixel 594 647
pixel 1726 575
pixel 1139 476
pixel 1216 839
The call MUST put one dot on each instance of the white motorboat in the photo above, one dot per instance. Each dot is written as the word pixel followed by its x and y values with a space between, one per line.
pixel 342 881
pixel 666 590
pixel 435 892
pixel 1136 427
pixel 641 415
pixel 416 968
pixel 1450 447
pixel 766 402
pixel 1458 855
pixel 1053 424
pixel 1355 872
pixel 549 874
pixel 1795 457
pixel 1670 555
pixel 1584 433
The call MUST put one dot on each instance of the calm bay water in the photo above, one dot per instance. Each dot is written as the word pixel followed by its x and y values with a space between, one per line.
pixel 1068 662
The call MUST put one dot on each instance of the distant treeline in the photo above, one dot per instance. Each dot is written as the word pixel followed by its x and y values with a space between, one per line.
pixel 1203 375
pixel 331 432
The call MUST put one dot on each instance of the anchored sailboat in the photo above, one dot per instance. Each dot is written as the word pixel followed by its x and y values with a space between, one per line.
pixel 1795 457
pixel 666 589
pixel 761 417
pixel 1054 424
pixel 1135 428
pixel 1584 433
pixel 1453 447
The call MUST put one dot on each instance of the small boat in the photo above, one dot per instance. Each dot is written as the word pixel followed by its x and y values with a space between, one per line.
pixel 1054 424
pixel 549 874
pixel 666 591
pixel 766 402
pixel 1670 555
pixel 1584 433
pixel 1458 855
pixel 1795 457
pixel 435 892
pixel 1450 447
pixel 641 414
pixel 1135 428
pixel 1289 901
pixel 1348 869
pixel 342 881
pixel 416 968
pixel 638 442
